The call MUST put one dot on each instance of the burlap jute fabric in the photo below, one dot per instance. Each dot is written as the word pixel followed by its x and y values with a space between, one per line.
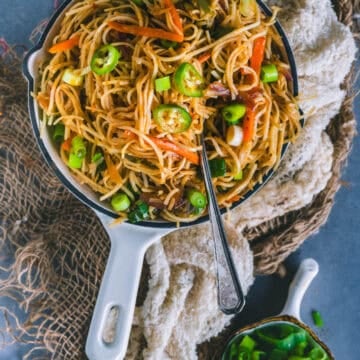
pixel 57 269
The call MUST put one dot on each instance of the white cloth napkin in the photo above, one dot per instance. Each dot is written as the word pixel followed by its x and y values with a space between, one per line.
pixel 180 310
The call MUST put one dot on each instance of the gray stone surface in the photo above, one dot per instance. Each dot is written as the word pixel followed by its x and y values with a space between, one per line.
pixel 335 291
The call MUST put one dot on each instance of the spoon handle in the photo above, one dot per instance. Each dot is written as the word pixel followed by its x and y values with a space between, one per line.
pixel 230 295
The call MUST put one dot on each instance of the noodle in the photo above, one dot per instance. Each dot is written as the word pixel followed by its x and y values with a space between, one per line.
pixel 113 112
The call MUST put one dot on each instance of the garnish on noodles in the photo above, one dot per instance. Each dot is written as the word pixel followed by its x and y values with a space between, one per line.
pixel 129 86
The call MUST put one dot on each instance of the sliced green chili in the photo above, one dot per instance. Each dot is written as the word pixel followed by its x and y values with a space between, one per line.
pixel 217 167
pixel 288 343
pixel 318 354
pixel 188 81
pixel 163 84
pixel 59 132
pixel 269 73
pixel 120 202
pixel 197 198
pixel 300 348
pixel 277 354
pixel 172 118
pixel 258 355
pixel 233 113
pixel 105 60
pixel 78 147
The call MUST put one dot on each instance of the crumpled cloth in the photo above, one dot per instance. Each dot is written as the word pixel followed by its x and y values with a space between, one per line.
pixel 180 310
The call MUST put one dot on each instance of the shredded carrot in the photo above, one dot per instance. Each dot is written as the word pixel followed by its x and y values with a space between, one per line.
pixel 249 124
pixel 66 145
pixel 43 101
pixel 167 145
pixel 204 57
pixel 129 135
pixel 65 45
pixel 112 170
pixel 258 53
pixel 175 16
pixel 145 31
pixel 234 199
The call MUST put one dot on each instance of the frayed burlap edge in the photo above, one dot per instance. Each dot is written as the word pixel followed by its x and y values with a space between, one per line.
pixel 271 242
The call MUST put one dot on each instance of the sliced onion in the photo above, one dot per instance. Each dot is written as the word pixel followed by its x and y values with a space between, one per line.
pixel 234 135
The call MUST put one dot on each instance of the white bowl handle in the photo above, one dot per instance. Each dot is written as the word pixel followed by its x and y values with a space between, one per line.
pixel 305 274
pixel 114 309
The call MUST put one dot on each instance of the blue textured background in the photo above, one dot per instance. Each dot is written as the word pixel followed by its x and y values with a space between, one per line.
pixel 335 291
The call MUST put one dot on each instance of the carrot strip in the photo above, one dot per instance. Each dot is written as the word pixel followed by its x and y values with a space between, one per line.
pixel 113 172
pixel 145 31
pixel 258 53
pixel 129 135
pixel 175 16
pixel 249 124
pixel 234 199
pixel 204 57
pixel 66 145
pixel 170 146
pixel 43 101
pixel 65 45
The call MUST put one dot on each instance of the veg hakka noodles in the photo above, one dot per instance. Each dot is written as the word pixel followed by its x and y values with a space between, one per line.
pixel 132 84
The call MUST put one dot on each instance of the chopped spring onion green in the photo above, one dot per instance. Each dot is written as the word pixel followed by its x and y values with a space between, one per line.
pixel 168 44
pixel 217 167
pixel 198 211
pixel 247 7
pixel 239 175
pixel 204 6
pixel 221 31
pixel 120 202
pixel 197 198
pixel 59 132
pixel 78 147
pixel 98 158
pixel 138 2
pixel 74 161
pixel 277 341
pixel 233 113
pixel 72 77
pixel 317 318
pixel 139 213
pixel 247 343
pixel 269 73
pixel 163 84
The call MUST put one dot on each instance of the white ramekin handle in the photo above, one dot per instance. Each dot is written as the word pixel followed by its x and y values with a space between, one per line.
pixel 113 314
pixel 305 274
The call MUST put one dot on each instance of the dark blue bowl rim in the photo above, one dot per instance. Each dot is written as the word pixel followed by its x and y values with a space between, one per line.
pixel 92 204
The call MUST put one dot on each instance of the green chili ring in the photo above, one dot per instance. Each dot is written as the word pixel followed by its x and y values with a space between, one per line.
pixel 172 118
pixel 188 81
pixel 105 60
